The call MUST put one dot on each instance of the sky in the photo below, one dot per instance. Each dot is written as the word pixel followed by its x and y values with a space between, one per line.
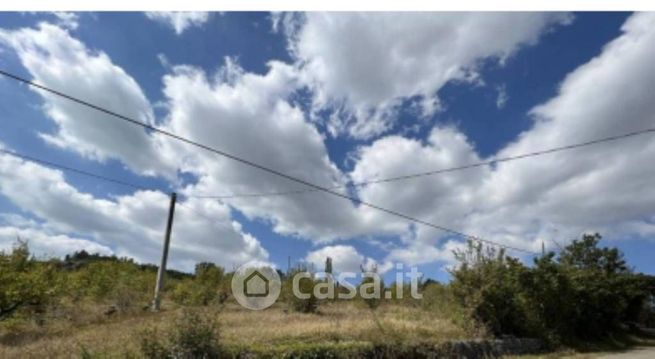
pixel 333 99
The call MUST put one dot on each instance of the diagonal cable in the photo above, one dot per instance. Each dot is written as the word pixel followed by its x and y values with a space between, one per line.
pixel 255 165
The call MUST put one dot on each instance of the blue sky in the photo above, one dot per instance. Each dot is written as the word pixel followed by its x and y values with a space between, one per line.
pixel 333 99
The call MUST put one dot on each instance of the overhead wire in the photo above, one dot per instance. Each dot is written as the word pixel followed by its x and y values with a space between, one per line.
pixel 443 170
pixel 95 176
pixel 253 164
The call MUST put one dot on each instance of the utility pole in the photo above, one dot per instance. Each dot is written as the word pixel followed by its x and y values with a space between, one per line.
pixel 164 256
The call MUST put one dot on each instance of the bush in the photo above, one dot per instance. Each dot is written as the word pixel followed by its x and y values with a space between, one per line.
pixel 192 336
pixel 25 284
pixel 207 286
pixel 120 282
pixel 305 285
pixel 370 296
pixel 484 285
pixel 586 293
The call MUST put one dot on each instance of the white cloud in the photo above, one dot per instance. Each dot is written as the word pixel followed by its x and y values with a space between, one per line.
pixel 131 225
pixel 249 115
pixel 239 112
pixel 605 188
pixel 69 20
pixel 44 243
pixel 57 60
pixel 417 253
pixel 502 97
pixel 344 259
pixel 362 65
pixel 179 21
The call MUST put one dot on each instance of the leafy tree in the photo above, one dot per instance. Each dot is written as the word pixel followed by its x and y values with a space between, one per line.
pixel 208 285
pixel 24 282
pixel 310 303
pixel 371 288
pixel 584 254
pixel 587 293
pixel 484 284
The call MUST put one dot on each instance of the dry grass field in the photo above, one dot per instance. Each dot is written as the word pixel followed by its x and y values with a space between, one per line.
pixel 119 336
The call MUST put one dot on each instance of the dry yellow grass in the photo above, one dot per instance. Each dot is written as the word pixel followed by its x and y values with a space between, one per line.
pixel 336 322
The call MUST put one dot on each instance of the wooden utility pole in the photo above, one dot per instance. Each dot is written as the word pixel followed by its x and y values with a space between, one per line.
pixel 164 256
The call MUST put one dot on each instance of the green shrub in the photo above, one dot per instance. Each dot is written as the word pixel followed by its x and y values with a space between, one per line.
pixel 485 285
pixel 369 295
pixel 192 336
pixel 587 293
pixel 207 286
pixel 25 284
pixel 306 286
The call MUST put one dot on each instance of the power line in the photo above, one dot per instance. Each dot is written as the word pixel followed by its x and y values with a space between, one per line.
pixel 71 169
pixel 255 165
pixel 95 176
pixel 138 187
pixel 443 170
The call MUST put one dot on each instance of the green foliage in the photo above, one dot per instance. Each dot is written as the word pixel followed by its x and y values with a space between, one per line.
pixel 440 298
pixel 584 254
pixel 306 286
pixel 120 283
pixel 192 336
pixel 482 284
pixel 370 296
pixel 190 292
pixel 586 293
pixel 371 289
pixel 25 284
pixel 209 285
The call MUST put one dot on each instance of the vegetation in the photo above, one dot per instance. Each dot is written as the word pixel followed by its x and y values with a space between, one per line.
pixel 209 285
pixel 25 284
pixel 193 336
pixel 307 304
pixel 369 288
pixel 92 305
pixel 586 293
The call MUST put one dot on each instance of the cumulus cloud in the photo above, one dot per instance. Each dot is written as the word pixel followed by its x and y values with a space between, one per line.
pixel 518 203
pixel 603 188
pixel 242 113
pixel 130 225
pixel 46 243
pixel 69 20
pixel 597 187
pixel 363 65
pixel 344 259
pixel 249 114
pixel 179 21
pixel 59 61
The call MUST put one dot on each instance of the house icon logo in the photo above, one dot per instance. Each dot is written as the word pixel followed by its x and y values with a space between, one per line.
pixel 256 285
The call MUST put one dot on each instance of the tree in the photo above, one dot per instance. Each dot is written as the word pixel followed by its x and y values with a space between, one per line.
pixel 24 282
pixel 328 265
pixel 586 255
pixel 371 287
pixel 587 293
pixel 486 284
pixel 207 286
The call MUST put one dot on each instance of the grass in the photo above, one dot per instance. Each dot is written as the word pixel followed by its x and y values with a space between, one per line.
pixel 337 324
